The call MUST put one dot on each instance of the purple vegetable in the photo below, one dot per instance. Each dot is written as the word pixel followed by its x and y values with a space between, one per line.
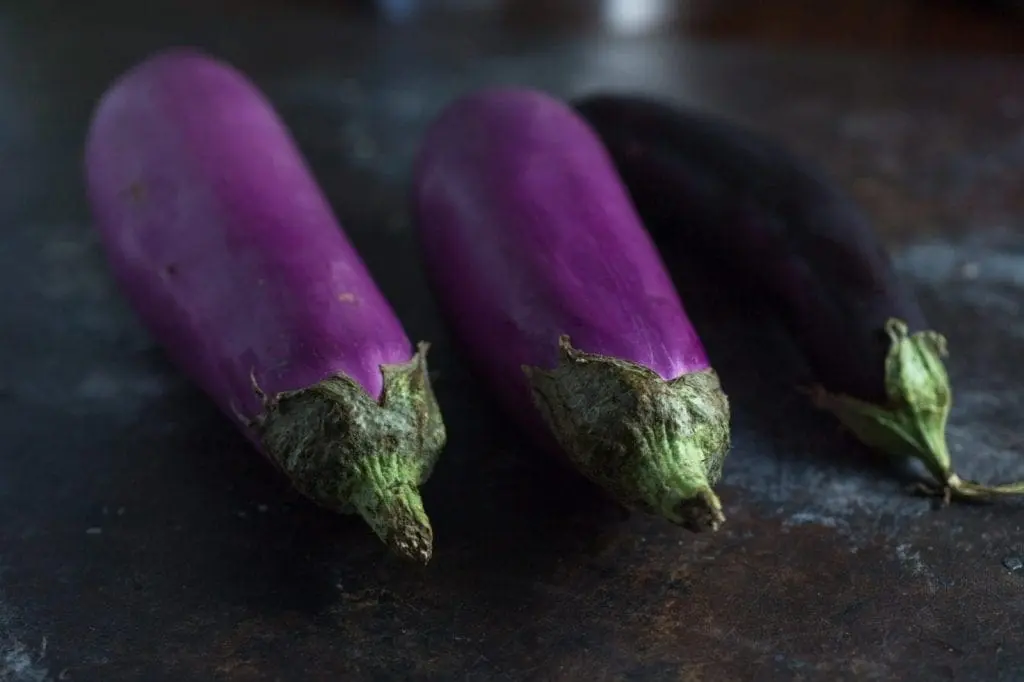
pixel 775 225
pixel 221 240
pixel 531 241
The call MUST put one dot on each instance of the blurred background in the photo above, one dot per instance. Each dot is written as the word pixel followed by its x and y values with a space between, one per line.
pixel 903 25
pixel 960 25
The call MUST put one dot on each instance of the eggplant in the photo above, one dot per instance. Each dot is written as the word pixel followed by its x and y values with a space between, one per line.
pixel 562 303
pixel 222 242
pixel 776 227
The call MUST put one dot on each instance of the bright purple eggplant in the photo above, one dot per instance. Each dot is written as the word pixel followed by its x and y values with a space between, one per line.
pixel 221 240
pixel 561 300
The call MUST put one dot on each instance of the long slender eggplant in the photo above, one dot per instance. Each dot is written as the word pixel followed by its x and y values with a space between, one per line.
pixel 221 240
pixel 773 223
pixel 561 300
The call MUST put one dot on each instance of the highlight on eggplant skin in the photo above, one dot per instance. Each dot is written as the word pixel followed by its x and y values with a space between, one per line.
pixel 773 223
pixel 560 300
pixel 222 242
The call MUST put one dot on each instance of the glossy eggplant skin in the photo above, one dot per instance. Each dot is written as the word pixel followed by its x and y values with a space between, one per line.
pixel 772 222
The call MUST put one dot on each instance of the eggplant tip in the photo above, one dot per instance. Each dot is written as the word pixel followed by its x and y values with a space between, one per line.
pixel 958 488
pixel 700 513
pixel 403 526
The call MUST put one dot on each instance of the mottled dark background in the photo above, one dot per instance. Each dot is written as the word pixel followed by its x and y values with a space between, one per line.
pixel 141 539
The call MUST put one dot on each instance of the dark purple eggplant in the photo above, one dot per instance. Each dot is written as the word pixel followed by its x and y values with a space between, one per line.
pixel 777 227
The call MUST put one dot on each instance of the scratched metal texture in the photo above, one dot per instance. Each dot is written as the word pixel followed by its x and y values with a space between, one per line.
pixel 141 538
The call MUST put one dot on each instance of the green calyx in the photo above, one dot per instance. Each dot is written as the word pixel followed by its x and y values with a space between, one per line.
pixel 348 452
pixel 651 444
pixel 912 423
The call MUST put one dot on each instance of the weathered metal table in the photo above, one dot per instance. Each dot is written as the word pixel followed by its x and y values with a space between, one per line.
pixel 141 539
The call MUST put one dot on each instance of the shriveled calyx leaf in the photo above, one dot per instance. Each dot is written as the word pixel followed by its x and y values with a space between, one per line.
pixel 348 452
pixel 912 422
pixel 651 444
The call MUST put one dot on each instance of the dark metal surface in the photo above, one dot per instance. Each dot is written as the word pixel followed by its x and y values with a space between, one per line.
pixel 140 538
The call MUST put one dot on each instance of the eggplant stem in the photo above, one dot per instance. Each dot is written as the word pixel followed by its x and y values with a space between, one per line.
pixel 912 422
pixel 348 452
pixel 651 444
pixel 965 490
